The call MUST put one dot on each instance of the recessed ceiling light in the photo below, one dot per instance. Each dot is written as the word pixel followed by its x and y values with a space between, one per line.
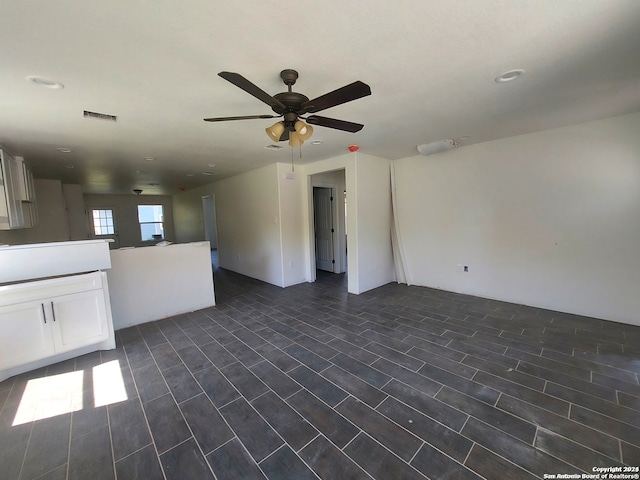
pixel 69 166
pixel 207 173
pixel 45 82
pixel 149 159
pixel 189 174
pixel 212 165
pixel 465 137
pixel 316 142
pixel 64 150
pixel 510 75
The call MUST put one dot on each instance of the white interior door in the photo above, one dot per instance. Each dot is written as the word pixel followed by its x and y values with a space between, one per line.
pixel 323 221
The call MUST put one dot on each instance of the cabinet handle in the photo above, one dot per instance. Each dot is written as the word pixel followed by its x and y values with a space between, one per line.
pixel 53 311
pixel 44 315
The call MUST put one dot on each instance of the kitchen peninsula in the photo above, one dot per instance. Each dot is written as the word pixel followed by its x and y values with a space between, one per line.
pixel 156 282
pixel 54 303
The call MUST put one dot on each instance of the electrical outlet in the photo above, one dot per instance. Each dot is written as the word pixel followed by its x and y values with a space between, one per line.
pixel 466 268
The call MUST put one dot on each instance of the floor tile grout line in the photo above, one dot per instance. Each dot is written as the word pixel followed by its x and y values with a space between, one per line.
pixel 193 436
pixel 515 439
pixel 473 444
pixel 294 452
pixel 311 441
pixel 132 453
pixel 113 453
pixel 636 427
pixel 144 412
pixel 560 434
pixel 367 434
pixel 607 402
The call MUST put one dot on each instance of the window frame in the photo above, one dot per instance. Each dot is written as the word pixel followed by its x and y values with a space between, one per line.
pixel 155 222
pixel 104 222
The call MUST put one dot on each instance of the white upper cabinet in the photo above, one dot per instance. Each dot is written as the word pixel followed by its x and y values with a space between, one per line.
pixel 17 199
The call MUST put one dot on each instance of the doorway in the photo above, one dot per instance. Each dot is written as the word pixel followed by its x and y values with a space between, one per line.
pixel 324 228
pixel 210 226
pixel 333 181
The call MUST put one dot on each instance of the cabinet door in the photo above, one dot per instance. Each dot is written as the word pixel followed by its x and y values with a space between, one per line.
pixel 78 320
pixel 24 335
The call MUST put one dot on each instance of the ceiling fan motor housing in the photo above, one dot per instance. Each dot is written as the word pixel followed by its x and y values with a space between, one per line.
pixel 293 102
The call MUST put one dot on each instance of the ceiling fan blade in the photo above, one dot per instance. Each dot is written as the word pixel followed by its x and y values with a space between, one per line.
pixel 241 82
pixel 245 117
pixel 333 123
pixel 350 92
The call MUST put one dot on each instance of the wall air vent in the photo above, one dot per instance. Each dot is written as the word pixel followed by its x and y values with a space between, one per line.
pixel 273 146
pixel 100 116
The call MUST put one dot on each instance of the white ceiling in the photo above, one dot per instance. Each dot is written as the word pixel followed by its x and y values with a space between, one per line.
pixel 431 66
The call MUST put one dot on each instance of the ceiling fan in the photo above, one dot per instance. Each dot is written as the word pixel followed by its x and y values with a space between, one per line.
pixel 291 106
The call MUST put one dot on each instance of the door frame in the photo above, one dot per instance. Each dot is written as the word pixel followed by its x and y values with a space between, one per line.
pixel 115 238
pixel 339 247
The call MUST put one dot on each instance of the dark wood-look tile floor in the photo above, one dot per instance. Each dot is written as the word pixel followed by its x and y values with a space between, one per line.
pixel 310 382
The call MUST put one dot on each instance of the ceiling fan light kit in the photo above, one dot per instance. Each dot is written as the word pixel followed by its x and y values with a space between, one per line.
pixel 275 131
pixel 291 106
pixel 304 131
pixel 295 140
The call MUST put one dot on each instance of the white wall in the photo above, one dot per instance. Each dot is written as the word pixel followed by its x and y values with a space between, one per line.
pixel 77 218
pixel 259 223
pixel 248 213
pixel 291 225
pixel 549 219
pixel 369 221
pixel 187 214
pixel 52 215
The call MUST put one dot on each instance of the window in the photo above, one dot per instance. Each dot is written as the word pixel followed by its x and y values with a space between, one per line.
pixel 151 222
pixel 103 222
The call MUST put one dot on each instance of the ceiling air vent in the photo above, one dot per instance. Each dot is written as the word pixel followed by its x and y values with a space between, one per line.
pixel 273 146
pixel 100 116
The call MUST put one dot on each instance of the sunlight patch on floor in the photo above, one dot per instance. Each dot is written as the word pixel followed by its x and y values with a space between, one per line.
pixel 47 397
pixel 54 395
pixel 108 384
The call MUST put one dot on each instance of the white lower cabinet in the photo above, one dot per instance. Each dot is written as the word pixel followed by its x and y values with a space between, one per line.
pixel 53 317
pixel 78 320
pixel 25 334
